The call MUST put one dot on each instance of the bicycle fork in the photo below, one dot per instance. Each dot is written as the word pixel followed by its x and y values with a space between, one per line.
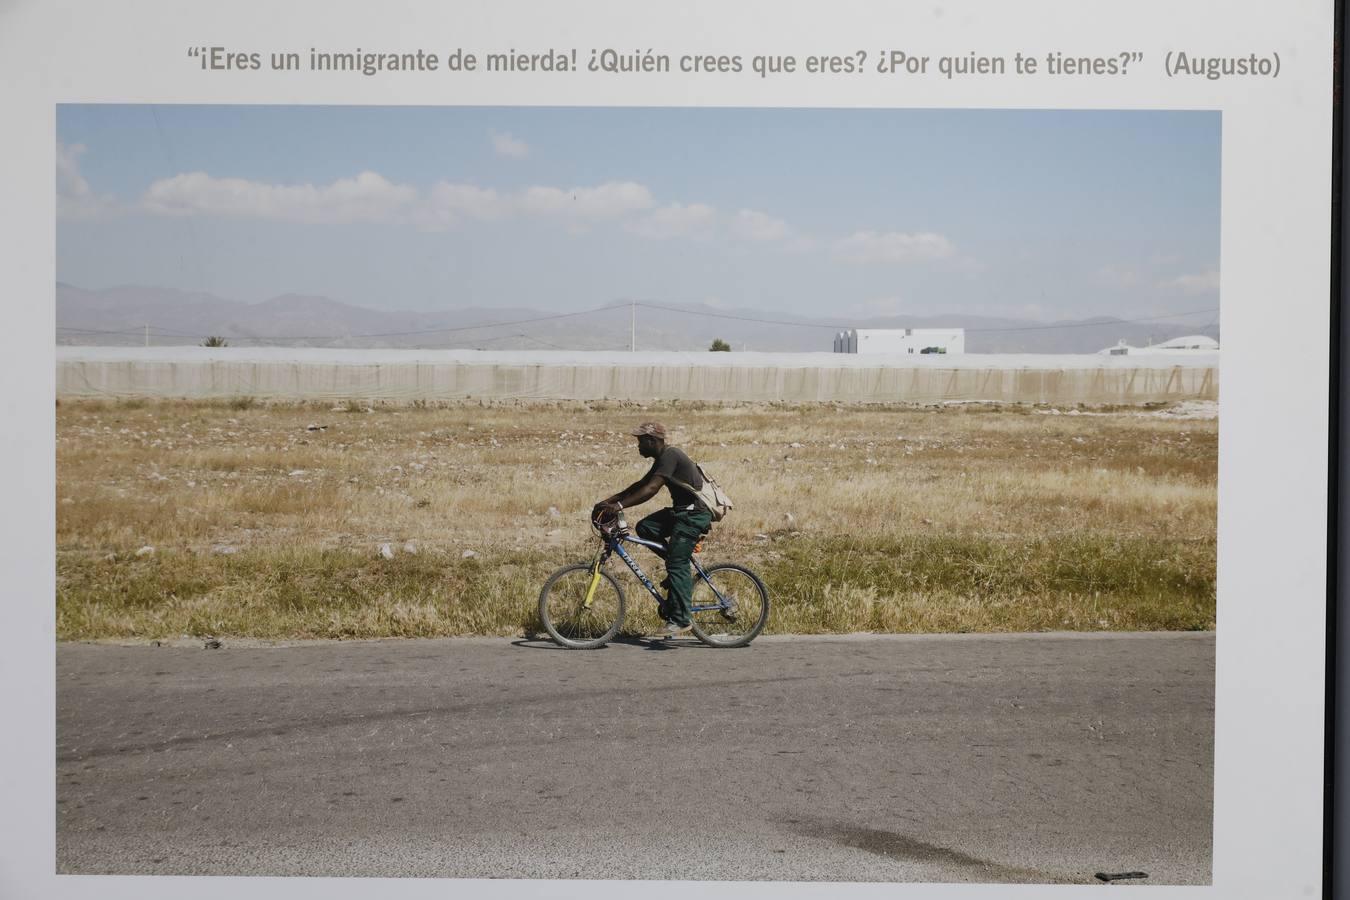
pixel 595 578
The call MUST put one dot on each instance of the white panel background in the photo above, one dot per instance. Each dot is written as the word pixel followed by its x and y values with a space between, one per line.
pixel 1275 287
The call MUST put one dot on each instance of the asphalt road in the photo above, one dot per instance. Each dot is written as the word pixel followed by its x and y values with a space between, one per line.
pixel 1031 758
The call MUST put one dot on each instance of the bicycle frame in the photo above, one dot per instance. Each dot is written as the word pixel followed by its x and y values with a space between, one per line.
pixel 614 545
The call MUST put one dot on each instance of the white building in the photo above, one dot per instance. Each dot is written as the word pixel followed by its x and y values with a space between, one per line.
pixel 1180 346
pixel 901 340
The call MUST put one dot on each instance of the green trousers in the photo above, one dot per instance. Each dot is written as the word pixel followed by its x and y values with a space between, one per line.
pixel 682 528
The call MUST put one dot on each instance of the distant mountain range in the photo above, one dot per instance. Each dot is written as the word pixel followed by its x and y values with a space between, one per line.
pixel 118 317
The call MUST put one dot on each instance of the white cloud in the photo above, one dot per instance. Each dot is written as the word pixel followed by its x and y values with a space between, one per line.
pixel 1200 283
pixel 372 198
pixel 509 146
pixel 893 247
pixel 448 202
pixel 75 199
pixel 610 200
pixel 1117 276
pixel 676 220
pixel 1146 276
pixel 369 197
pixel 757 226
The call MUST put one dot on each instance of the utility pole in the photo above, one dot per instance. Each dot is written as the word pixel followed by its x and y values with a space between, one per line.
pixel 147 335
pixel 632 325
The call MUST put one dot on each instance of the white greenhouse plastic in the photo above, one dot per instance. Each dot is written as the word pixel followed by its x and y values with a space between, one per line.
pixel 406 375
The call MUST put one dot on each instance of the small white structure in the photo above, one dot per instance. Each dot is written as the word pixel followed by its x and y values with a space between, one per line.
pixel 909 341
pixel 1186 345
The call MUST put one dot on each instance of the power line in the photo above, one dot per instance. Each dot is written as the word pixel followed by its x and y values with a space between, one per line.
pixel 584 312
pixel 1194 312
pixel 339 337
pixel 530 337
pixel 164 332
pixel 97 331
pixel 1212 322
pixel 167 333
pixel 712 315
pixel 328 338
pixel 477 343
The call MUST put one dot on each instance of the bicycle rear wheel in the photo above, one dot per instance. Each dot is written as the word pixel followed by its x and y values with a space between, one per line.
pixel 742 601
pixel 570 619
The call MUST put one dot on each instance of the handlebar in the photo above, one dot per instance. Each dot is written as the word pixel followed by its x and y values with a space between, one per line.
pixel 609 525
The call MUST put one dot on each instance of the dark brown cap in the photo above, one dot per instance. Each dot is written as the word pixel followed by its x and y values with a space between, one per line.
pixel 655 429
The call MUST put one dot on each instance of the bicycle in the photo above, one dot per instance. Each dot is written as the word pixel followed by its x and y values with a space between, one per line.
pixel 582 606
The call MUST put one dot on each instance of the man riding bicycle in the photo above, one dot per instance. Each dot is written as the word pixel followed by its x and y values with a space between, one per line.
pixel 681 526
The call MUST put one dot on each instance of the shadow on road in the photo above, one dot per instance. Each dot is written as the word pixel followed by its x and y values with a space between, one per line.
pixel 657 644
pixel 905 848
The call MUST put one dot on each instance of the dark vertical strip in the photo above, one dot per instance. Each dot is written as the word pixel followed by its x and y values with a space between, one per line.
pixel 1335 836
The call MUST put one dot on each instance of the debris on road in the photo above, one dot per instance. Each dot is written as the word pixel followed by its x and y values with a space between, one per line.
pixel 1109 877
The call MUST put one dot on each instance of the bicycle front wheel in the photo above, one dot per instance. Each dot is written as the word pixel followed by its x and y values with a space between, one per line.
pixel 740 606
pixel 579 609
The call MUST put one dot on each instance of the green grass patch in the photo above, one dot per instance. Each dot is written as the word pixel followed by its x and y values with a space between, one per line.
pixel 295 593
pixel 957 584
pixel 916 584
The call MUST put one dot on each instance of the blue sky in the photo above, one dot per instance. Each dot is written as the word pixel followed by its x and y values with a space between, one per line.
pixel 1039 214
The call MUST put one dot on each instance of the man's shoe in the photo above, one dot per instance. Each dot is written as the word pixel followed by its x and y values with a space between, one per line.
pixel 671 630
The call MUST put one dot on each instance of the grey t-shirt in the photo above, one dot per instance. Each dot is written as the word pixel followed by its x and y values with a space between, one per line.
pixel 674 463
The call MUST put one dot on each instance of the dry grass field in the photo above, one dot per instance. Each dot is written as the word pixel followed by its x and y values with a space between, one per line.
pixel 890 519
